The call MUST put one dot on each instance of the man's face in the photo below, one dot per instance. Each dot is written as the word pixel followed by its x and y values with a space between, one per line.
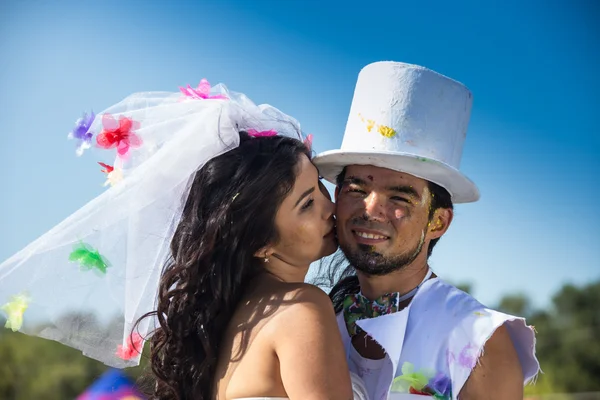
pixel 382 218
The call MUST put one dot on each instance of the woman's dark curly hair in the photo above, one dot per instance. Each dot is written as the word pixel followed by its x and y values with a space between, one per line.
pixel 228 216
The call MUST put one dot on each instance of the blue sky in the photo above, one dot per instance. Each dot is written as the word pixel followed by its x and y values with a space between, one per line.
pixel 533 145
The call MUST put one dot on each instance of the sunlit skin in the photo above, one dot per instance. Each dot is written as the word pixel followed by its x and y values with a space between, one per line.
pixel 386 213
pixel 383 216
pixel 305 224
pixel 265 351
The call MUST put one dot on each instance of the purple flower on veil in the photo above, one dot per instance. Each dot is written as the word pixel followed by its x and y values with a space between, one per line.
pixel 81 132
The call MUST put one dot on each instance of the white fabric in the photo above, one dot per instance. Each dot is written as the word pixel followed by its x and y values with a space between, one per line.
pixel 130 224
pixel 406 118
pixel 442 331
pixel 368 370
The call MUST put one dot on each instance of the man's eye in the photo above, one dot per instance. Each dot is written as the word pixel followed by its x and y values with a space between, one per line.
pixel 355 190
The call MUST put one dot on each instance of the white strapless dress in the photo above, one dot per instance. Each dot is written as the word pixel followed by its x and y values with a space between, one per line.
pixel 358 389
pixel 392 396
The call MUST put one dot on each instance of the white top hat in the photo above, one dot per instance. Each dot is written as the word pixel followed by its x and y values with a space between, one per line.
pixel 406 118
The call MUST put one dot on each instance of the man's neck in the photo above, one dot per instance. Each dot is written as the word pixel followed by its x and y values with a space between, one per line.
pixel 402 281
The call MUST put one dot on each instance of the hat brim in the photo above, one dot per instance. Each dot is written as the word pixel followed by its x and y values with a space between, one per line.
pixel 462 189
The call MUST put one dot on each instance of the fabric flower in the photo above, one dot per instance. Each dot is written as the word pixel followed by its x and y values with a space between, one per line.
pixel 81 132
pixel 411 379
pixel 107 168
pixel 441 385
pixel 424 382
pixel 201 92
pixel 412 390
pixel 133 346
pixel 88 258
pixel 119 134
pixel 14 310
pixel 308 141
pixel 255 133
pixel 114 175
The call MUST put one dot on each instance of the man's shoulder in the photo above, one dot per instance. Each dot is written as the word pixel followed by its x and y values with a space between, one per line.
pixel 440 297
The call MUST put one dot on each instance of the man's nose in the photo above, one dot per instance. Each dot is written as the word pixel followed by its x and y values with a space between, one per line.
pixel 375 207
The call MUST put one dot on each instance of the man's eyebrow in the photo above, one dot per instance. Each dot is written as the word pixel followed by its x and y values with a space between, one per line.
pixel 403 189
pixel 354 180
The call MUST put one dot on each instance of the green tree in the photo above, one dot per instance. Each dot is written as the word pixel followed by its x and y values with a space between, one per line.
pixel 516 304
pixel 466 287
pixel 568 333
pixel 568 348
pixel 36 368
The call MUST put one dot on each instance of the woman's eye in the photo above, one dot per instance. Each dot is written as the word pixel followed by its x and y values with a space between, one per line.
pixel 307 205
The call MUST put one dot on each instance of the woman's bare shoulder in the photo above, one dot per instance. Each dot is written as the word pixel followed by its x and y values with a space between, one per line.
pixel 301 297
pixel 302 307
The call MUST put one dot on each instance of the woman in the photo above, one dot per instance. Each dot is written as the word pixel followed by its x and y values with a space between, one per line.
pixel 229 316
pixel 236 319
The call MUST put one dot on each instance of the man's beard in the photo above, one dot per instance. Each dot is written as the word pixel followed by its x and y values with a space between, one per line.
pixel 369 262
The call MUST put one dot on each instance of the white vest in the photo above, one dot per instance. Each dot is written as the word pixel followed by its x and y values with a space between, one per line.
pixel 438 337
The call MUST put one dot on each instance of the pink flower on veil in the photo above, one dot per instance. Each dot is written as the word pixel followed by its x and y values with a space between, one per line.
pixel 120 134
pixel 308 141
pixel 133 347
pixel 255 133
pixel 201 92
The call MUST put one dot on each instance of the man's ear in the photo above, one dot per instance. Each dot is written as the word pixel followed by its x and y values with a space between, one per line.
pixel 439 223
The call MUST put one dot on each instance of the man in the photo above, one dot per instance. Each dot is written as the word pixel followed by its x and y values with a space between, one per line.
pixel 407 333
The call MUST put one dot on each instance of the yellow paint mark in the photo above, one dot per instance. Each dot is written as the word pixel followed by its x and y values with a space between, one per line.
pixel 370 124
pixel 386 131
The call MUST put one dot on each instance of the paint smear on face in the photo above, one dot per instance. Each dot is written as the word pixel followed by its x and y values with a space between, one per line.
pixel 399 214
pixel 425 198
